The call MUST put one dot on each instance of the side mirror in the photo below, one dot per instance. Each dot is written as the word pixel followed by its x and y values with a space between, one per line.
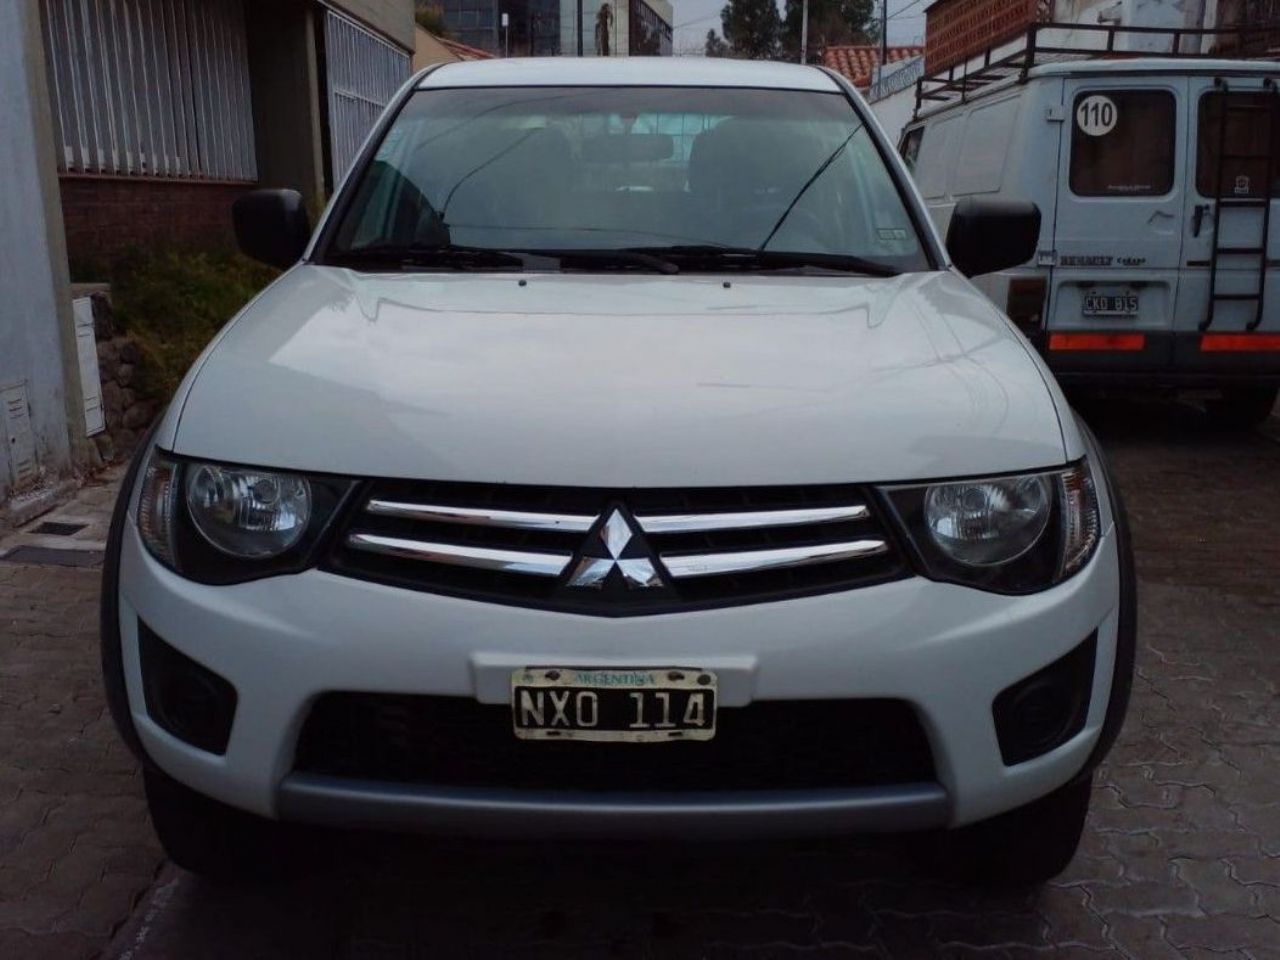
pixel 987 235
pixel 272 226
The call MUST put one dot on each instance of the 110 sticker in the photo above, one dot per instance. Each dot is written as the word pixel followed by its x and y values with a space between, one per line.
pixel 1097 115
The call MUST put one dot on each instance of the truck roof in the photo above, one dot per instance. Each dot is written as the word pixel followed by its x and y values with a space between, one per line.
pixel 1148 65
pixel 628 71
pixel 1139 66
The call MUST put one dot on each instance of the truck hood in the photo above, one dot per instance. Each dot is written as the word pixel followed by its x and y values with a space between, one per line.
pixel 621 380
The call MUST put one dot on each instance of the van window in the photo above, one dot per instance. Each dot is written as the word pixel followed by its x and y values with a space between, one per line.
pixel 987 137
pixel 1122 143
pixel 935 161
pixel 1248 131
pixel 910 148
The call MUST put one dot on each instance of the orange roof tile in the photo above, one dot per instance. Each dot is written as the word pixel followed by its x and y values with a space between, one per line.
pixel 857 61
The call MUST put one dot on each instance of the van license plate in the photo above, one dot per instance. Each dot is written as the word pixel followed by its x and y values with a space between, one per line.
pixel 1103 305
pixel 613 705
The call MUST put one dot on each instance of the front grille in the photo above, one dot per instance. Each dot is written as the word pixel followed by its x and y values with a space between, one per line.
pixel 555 547
pixel 771 745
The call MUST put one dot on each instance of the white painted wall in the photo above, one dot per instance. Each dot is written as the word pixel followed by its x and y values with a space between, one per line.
pixel 894 112
pixel 35 297
pixel 893 95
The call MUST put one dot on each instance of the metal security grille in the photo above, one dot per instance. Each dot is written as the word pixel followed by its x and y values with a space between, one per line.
pixel 363 73
pixel 151 87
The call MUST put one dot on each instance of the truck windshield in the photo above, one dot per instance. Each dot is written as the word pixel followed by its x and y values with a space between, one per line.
pixel 648 177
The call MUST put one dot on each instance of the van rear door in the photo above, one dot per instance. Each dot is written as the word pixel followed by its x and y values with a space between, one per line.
pixel 1119 226
pixel 1233 203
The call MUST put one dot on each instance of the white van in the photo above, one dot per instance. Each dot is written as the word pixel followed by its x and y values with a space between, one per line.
pixel 1158 180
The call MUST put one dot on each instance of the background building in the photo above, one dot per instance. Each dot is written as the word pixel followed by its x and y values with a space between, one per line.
pixel 430 49
pixel 164 112
pixel 892 93
pixel 959 34
pixel 550 28
pixel 134 124
pixel 860 62
pixel 957 30
pixel 38 395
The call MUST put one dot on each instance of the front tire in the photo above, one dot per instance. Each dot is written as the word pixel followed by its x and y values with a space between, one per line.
pixel 211 839
pixel 1242 408
pixel 1025 847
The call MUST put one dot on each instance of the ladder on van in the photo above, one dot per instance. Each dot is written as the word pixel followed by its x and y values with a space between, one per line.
pixel 1224 202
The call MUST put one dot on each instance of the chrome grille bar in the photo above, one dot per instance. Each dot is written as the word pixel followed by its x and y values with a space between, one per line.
pixel 482 516
pixel 684 566
pixel 482 558
pixel 750 520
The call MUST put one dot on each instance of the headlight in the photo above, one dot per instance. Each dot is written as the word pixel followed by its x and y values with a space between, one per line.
pixel 988 522
pixel 248 513
pixel 217 523
pixel 1013 534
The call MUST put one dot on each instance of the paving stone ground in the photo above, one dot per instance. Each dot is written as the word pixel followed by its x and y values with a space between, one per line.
pixel 76 850
pixel 1181 858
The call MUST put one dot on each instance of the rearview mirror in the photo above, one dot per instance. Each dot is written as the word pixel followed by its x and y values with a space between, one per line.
pixel 987 234
pixel 272 226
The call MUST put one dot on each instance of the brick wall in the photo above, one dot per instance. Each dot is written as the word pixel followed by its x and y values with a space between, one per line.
pixel 108 216
pixel 958 29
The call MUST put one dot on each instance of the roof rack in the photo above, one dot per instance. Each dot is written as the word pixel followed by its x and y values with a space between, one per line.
pixel 1007 62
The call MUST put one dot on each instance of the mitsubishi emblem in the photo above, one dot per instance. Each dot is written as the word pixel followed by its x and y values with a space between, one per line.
pixel 607 549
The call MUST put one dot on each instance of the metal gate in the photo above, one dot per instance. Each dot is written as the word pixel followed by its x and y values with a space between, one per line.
pixel 362 73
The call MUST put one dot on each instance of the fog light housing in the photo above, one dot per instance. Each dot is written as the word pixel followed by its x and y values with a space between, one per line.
pixel 184 698
pixel 1046 709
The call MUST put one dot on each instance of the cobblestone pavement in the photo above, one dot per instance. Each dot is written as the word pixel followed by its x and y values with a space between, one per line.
pixel 76 850
pixel 1181 856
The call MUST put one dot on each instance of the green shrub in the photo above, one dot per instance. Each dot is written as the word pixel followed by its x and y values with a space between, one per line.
pixel 173 303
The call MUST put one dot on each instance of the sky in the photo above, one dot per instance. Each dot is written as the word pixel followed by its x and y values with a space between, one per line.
pixel 693 18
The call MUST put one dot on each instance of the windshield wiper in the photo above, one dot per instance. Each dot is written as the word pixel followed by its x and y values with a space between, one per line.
pixel 402 256
pixel 822 168
pixel 746 259
pixel 624 257
pixel 667 260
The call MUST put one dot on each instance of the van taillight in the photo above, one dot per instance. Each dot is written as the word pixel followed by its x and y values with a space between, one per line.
pixel 1127 342
pixel 1239 343
pixel 1025 305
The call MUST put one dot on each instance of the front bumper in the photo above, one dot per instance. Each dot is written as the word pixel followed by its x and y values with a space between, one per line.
pixel 711 816
pixel 944 649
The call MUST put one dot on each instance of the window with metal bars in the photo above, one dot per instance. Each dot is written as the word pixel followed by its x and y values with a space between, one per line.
pixel 150 87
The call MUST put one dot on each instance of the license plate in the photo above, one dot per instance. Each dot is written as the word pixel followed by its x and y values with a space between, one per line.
pixel 613 705
pixel 1104 305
